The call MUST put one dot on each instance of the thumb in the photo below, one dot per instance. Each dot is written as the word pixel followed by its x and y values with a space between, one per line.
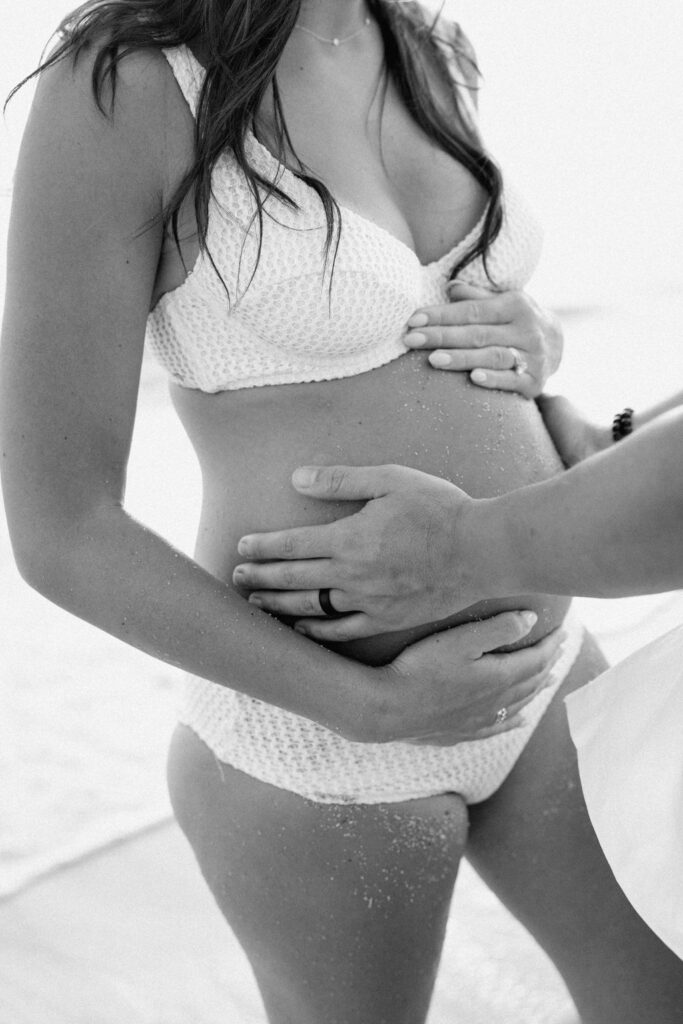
pixel 498 631
pixel 347 483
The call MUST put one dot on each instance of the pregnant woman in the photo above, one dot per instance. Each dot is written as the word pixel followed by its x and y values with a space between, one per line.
pixel 269 190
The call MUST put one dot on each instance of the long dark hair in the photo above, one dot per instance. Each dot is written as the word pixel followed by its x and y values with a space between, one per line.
pixel 244 40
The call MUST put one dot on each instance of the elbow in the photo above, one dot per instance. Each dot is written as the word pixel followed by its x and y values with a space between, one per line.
pixel 41 563
pixel 52 556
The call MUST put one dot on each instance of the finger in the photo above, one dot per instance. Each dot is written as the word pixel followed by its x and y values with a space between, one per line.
pixel 308 575
pixel 477 638
pixel 297 603
pixel 447 739
pixel 346 483
pixel 505 380
pixel 522 693
pixel 494 357
pixel 350 627
pixel 298 543
pixel 509 725
pixel 491 309
pixel 521 665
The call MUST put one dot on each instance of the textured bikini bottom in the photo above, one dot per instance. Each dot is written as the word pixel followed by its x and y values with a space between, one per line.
pixel 299 755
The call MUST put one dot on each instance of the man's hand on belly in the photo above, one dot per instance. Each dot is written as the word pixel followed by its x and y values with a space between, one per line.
pixel 400 562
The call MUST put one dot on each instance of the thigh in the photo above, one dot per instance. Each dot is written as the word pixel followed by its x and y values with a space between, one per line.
pixel 533 843
pixel 341 909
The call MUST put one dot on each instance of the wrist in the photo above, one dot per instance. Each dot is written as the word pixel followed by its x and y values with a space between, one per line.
pixel 503 528
pixel 600 439
pixel 483 554
pixel 362 708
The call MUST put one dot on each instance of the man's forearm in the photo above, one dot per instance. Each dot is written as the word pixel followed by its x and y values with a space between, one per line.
pixel 609 527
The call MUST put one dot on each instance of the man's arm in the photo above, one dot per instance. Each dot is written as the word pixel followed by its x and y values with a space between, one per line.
pixel 609 527
pixel 421 549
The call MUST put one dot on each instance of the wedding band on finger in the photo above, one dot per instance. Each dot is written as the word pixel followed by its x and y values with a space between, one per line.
pixel 326 605
pixel 501 715
pixel 519 363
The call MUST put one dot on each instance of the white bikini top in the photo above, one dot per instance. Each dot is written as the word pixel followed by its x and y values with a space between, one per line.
pixel 285 324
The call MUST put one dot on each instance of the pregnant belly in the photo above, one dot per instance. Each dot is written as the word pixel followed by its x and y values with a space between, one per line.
pixel 248 442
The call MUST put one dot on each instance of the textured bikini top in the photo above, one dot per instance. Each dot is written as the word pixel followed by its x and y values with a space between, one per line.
pixel 285 325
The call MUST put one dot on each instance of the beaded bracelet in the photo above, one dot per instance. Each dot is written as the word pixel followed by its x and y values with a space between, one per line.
pixel 622 424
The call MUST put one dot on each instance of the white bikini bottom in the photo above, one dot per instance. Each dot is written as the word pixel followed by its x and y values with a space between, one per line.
pixel 299 755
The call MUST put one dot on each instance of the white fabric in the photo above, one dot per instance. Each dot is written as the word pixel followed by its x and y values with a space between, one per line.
pixel 297 754
pixel 282 323
pixel 285 324
pixel 627 726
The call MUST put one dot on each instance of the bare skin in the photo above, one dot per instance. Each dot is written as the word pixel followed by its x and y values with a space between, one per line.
pixel 375 980
pixel 76 404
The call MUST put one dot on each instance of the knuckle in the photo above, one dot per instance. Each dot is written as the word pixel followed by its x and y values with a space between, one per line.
pixel 340 632
pixel 310 604
pixel 290 578
pixel 500 358
pixel 287 545
pixel 458 360
pixel 474 312
pixel 335 479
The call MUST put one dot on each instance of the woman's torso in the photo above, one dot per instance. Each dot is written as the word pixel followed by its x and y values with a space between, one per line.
pixel 408 211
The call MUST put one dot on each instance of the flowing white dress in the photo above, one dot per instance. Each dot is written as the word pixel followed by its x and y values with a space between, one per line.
pixel 627 726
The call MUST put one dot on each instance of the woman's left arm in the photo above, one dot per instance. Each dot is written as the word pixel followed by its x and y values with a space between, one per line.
pixel 504 340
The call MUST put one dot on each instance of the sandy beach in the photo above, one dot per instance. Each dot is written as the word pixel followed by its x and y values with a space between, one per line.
pixel 103 915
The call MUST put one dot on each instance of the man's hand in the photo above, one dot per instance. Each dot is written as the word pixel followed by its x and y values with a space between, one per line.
pixel 393 565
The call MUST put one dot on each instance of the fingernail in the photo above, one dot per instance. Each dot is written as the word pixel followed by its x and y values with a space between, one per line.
pixel 439 359
pixel 304 476
pixel 478 376
pixel 253 599
pixel 418 320
pixel 299 629
pixel 415 338
pixel 243 546
pixel 529 619
pixel 238 574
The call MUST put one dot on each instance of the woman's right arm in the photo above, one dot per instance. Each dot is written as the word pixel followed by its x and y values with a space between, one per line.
pixel 81 273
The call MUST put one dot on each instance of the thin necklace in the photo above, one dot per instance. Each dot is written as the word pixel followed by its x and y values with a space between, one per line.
pixel 336 41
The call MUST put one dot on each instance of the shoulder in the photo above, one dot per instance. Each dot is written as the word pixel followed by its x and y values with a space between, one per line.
pixel 137 117
pixel 454 44
pixel 448 35
pixel 458 47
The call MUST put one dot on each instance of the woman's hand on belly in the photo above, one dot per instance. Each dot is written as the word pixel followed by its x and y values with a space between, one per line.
pixel 503 339
pixel 449 688
pixel 396 564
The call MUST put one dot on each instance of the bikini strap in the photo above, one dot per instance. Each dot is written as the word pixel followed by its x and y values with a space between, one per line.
pixel 188 72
